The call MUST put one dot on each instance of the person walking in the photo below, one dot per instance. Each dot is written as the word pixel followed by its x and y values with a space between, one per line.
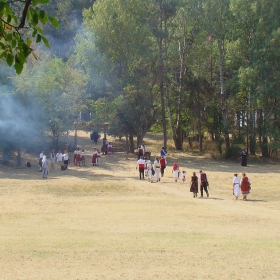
pixel 236 185
pixel 109 149
pixel 184 174
pixel 194 185
pixel 94 157
pixel 203 181
pixel 175 171
pixel 157 169
pixel 140 164
pixel 59 157
pixel 149 167
pixel 245 186
pixel 163 152
pixel 162 162
pixel 65 159
pixel 40 160
pixel 243 157
pixel 45 167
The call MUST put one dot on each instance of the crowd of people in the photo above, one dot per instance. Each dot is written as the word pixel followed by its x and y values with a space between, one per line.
pixel 153 171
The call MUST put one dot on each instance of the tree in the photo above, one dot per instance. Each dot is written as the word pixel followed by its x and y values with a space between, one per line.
pixel 20 26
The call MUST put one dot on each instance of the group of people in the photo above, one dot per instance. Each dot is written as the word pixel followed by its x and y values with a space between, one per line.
pixel 79 157
pixel 106 147
pixel 61 159
pixel 241 185
pixel 149 169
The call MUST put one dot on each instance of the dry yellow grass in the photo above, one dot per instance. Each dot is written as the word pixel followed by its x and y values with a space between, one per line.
pixel 104 223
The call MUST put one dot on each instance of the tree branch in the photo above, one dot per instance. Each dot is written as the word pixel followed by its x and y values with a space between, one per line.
pixel 24 13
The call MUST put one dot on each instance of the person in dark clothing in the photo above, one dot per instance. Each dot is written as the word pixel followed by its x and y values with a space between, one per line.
pixel 243 158
pixel 203 183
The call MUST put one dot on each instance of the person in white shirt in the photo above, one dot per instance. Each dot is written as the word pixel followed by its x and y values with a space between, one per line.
pixel 157 169
pixel 94 157
pixel 45 167
pixel 65 158
pixel 149 170
pixel 59 157
pixel 236 186
pixel 40 160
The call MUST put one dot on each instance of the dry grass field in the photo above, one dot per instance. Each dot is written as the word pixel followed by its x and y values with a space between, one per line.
pixel 104 223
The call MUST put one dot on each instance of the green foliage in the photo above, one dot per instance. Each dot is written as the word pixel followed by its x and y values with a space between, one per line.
pixel 15 41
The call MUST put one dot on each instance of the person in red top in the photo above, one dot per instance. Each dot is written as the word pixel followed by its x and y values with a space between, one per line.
pixel 141 166
pixel 245 186
pixel 162 162
pixel 203 181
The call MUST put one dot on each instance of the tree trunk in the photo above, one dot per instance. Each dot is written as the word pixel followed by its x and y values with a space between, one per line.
pixel 223 95
pixel 131 143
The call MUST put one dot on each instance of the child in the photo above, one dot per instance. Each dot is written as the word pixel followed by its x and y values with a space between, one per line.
pixel 184 174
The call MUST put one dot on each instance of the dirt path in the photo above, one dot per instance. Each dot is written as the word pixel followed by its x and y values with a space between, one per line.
pixel 104 223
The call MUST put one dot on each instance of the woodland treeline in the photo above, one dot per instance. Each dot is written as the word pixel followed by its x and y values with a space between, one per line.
pixel 190 69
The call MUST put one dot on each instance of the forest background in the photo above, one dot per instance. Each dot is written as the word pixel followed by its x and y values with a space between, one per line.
pixel 204 71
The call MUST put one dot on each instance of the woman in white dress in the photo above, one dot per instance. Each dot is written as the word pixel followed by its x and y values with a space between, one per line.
pixel 157 169
pixel 236 186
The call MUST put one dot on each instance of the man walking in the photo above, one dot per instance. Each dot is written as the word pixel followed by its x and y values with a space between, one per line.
pixel 202 179
pixel 141 166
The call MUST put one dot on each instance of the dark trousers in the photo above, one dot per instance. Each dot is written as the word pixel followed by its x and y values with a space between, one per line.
pixel 141 171
pixel 203 185
pixel 162 170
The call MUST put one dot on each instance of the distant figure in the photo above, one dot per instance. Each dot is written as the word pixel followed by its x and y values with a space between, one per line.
pixel 175 171
pixel 141 166
pixel 184 174
pixel 149 170
pixel 140 151
pixel 40 160
pixel 59 158
pixel 245 186
pixel 163 152
pixel 65 159
pixel 203 183
pixel 109 149
pixel 162 162
pixel 104 146
pixel 95 136
pixel 94 157
pixel 45 167
pixel 98 157
pixel 244 155
pixel 194 185
pixel 156 167
pixel 236 186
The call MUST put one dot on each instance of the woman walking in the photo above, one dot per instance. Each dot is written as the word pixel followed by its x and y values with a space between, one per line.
pixel 245 186
pixel 194 185
pixel 175 171
pixel 157 169
pixel 236 186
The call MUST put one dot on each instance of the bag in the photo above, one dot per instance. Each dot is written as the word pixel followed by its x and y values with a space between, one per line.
pixel 153 172
pixel 28 164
